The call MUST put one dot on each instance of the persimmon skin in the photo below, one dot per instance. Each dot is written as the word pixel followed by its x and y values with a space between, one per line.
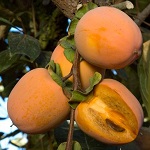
pixel 37 104
pixel 86 70
pixel 108 38
pixel 111 114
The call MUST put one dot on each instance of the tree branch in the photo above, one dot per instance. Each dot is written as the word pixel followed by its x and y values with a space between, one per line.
pixel 68 7
pixel 76 85
pixel 124 5
pixel 142 16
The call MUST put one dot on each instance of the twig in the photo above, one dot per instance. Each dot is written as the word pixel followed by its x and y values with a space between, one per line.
pixel 67 76
pixel 142 16
pixel 71 129
pixel 76 72
pixel 68 7
pixel 3 29
pixel 33 18
pixel 76 85
pixel 124 5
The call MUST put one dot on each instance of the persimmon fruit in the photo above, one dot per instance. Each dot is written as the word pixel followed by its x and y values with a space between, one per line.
pixel 108 38
pixel 37 104
pixel 86 70
pixel 111 114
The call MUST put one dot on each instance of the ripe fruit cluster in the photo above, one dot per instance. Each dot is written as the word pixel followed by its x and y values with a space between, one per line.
pixel 106 38
pixel 86 69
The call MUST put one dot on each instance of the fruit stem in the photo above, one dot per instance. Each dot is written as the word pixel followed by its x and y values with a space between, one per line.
pixel 67 76
pixel 70 133
pixel 76 72
pixel 76 86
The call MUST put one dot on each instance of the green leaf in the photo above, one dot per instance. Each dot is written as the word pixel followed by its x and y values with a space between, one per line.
pixel 69 54
pixel 55 67
pixel 69 46
pixel 79 96
pixel 8 88
pixel 56 78
pixel 43 59
pixel 144 76
pixel 7 61
pixel 68 88
pixel 70 39
pixel 76 146
pixel 58 70
pixel 76 98
pixel 52 65
pixel 68 42
pixel 81 11
pixel 24 45
pixel 55 72
pixel 93 81
pixel 84 9
pixel 91 5
pixel 72 26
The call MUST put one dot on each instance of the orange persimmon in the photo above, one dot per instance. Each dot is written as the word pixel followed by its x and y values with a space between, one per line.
pixel 111 114
pixel 37 103
pixel 86 70
pixel 108 38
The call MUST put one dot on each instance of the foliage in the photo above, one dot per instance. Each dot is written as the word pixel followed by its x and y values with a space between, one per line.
pixel 42 26
pixel 144 77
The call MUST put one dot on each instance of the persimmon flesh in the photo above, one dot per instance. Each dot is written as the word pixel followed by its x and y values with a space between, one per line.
pixel 111 114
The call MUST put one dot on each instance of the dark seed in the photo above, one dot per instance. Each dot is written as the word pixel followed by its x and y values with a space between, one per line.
pixel 113 126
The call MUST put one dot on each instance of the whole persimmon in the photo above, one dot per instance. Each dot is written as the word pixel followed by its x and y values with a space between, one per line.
pixel 108 38
pixel 111 114
pixel 86 70
pixel 37 104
